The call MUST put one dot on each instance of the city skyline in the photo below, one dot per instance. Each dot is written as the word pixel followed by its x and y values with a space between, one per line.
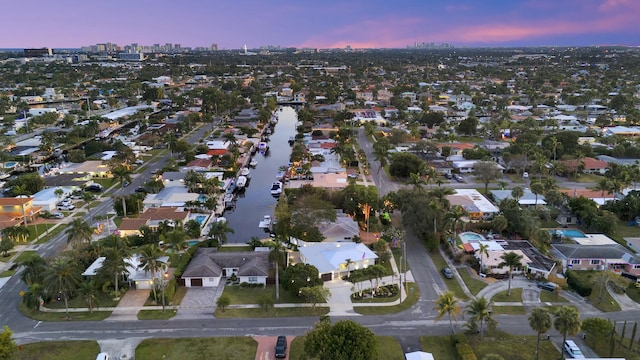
pixel 330 24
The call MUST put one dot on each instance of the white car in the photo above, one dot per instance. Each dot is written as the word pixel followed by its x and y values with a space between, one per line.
pixel 67 207
pixel 57 215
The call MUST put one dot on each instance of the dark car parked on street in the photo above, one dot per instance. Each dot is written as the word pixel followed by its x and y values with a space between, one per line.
pixel 447 273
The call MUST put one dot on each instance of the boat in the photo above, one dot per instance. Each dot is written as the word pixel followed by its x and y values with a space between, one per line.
pixel 229 201
pixel 241 182
pixel 265 223
pixel 245 172
pixel 263 146
pixel 292 140
pixel 276 188
pixel 253 163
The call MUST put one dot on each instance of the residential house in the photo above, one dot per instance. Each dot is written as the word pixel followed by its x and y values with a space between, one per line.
pixel 492 262
pixel 599 197
pixel 613 257
pixel 13 210
pixel 528 199
pixel 174 196
pixel 152 217
pixel 135 275
pixel 208 267
pixel 587 166
pixel 344 228
pixel 475 204
pixel 330 258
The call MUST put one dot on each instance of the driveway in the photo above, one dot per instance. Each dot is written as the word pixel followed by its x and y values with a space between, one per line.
pixel 198 302
pixel 267 347
pixel 132 301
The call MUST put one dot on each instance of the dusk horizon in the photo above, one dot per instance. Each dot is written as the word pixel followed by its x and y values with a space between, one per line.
pixel 332 24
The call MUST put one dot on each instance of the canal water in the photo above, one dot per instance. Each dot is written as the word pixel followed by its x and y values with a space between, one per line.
pixel 256 201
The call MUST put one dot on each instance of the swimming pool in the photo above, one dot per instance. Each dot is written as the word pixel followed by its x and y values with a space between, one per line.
pixel 200 219
pixel 570 233
pixel 470 236
pixel 10 164
pixel 193 242
pixel 202 198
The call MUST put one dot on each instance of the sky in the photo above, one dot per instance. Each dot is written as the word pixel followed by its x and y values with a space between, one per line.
pixel 319 24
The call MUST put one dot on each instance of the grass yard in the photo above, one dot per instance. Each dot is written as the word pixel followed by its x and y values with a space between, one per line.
pixel 621 230
pixel 441 347
pixel 272 312
pixel 412 299
pixel 600 297
pixel 55 350
pixel 6 258
pixel 61 316
pixel 508 310
pixel 252 295
pixel 156 314
pixel 516 296
pixel 452 284
pixel 105 182
pixel 24 255
pixel 511 347
pixel 388 349
pixel 602 348
pixel 548 296
pixel 474 285
pixel 587 178
pixel 36 230
pixel 52 232
pixel 633 292
pixel 236 348
pixel 102 300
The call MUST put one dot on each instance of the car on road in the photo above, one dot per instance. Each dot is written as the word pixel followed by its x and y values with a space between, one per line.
pixel 353 176
pixel 458 178
pixel 140 189
pixel 447 273
pixel 281 347
pixel 573 350
pixel 549 286
pixel 94 188
pixel 126 183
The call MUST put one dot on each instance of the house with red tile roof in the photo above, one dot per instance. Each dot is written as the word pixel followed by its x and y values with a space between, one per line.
pixel 588 165
pixel 598 196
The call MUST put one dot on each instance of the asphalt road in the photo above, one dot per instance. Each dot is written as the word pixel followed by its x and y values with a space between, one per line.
pixel 407 325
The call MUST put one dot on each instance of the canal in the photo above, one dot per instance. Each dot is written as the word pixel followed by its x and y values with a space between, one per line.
pixel 256 201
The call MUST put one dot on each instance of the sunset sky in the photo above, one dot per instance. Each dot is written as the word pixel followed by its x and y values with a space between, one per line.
pixel 319 24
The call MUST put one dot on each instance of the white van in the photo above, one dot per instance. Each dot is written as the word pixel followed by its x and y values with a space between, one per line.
pixel 573 350
pixel 525 175
pixel 103 356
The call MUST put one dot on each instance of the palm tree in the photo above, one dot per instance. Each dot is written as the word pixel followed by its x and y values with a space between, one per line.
pixel 176 240
pixel 540 321
pixel 63 277
pixel 34 296
pixel 150 255
pixel 416 180
pixel 116 260
pixel 537 189
pixel 122 174
pixel 480 312
pixel 510 259
pixel 380 153
pixel 279 257
pixel 567 321
pixel 89 294
pixel 218 230
pixel 517 192
pixel 34 268
pixel 79 231
pixel 455 217
pixel 447 304
pixel 21 192
pixel 483 250
pixel 87 198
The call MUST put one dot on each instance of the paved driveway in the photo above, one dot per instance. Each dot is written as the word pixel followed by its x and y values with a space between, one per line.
pixel 198 302
pixel 267 347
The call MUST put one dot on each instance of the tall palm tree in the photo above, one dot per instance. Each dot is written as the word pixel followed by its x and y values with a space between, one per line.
pixel 116 262
pixel 176 239
pixel 540 321
pixel 21 192
pixel 122 174
pixel 416 180
pixel 79 231
pixel 278 256
pixel 89 294
pixel 537 189
pixel 567 321
pixel 480 311
pixel 510 259
pixel 517 192
pixel 87 198
pixel 150 255
pixel 447 304
pixel 218 230
pixel 483 250
pixel 455 217
pixel 63 277
pixel 34 268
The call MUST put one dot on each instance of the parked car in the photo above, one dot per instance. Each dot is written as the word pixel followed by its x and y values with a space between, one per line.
pixel 140 189
pixel 525 175
pixel 57 215
pixel 94 188
pixel 353 176
pixel 281 347
pixel 549 286
pixel 458 178
pixel 67 207
pixel 125 184
pixel 447 273
pixel 573 350
pixel 448 176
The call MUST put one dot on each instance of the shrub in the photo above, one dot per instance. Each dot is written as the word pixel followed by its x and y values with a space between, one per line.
pixel 465 352
pixel 576 283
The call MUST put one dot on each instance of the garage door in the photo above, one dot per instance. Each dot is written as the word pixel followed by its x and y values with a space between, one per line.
pixel 196 282
pixel 327 277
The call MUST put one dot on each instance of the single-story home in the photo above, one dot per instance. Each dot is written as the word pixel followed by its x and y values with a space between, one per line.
pixel 474 203
pixel 528 199
pixel 152 218
pixel 135 275
pixel 598 196
pixel 91 167
pixel 174 196
pixel 597 257
pixel 208 267
pixel 47 198
pixel 330 258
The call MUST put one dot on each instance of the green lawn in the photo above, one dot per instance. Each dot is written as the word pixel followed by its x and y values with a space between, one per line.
pixel 474 285
pixel 633 292
pixel 36 230
pixel 516 296
pixel 621 230
pixel 236 348
pixel 412 299
pixel 56 350
pixel 272 312
pixel 251 295
pixel 511 347
pixel 587 178
pixel 548 296
pixel 102 300
pixel 9 256
pixel 602 347
pixel 7 273
pixel 452 284
pixel 24 255
pixel 156 314
pixel 388 349
pixel 105 182
pixel 52 232
pixel 600 297
pixel 509 310
pixel 441 347
pixel 61 316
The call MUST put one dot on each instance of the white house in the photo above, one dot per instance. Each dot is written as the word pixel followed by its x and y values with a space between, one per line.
pixel 136 276
pixel 47 198
pixel 330 258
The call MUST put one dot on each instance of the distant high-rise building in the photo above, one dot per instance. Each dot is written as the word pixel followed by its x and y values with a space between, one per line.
pixel 38 52
pixel 213 47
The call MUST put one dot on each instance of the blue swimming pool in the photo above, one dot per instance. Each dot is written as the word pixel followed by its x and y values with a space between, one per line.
pixel 200 219
pixel 202 198
pixel 570 233
pixel 10 164
pixel 193 242
pixel 470 236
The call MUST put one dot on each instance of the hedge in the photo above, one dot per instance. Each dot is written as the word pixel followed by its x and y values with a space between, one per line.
pixel 576 283
pixel 465 352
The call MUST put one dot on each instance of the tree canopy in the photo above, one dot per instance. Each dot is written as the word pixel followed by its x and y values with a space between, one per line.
pixel 344 340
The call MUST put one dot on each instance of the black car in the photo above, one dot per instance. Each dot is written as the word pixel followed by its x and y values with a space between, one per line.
pixel 140 189
pixel 94 188
pixel 281 347
pixel 549 286
pixel 447 273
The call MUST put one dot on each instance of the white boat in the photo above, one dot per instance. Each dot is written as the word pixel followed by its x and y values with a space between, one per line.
pixel 253 163
pixel 263 146
pixel 246 173
pixel 241 182
pixel 276 188
pixel 265 223
pixel 229 201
